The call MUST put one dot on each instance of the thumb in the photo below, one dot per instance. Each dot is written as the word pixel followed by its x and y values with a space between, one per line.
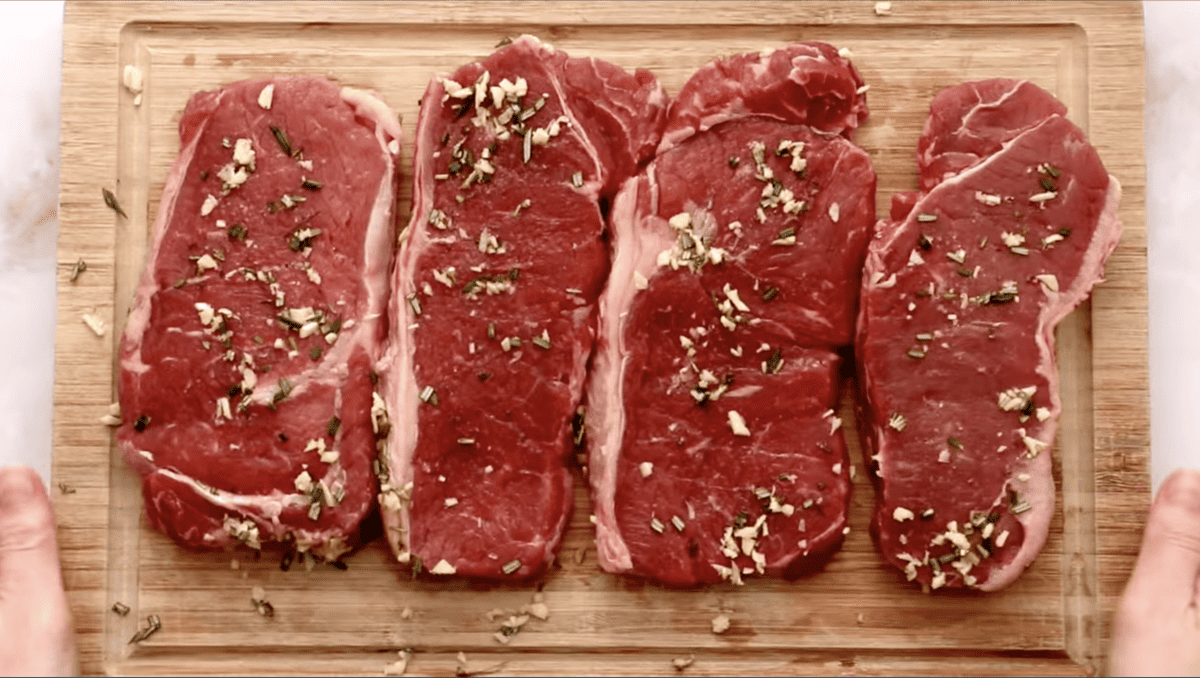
pixel 35 629
pixel 1170 558
pixel 28 550
pixel 1155 631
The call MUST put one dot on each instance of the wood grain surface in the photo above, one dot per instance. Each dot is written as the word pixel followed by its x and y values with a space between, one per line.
pixel 859 616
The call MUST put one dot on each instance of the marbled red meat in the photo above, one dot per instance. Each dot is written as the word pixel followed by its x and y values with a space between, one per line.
pixel 246 361
pixel 713 444
pixel 962 289
pixel 495 301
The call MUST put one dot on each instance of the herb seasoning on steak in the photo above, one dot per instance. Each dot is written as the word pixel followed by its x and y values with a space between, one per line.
pixel 957 372
pixel 258 318
pixel 715 452
pixel 495 302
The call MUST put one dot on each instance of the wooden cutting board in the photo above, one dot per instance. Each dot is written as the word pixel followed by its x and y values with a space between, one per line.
pixel 858 616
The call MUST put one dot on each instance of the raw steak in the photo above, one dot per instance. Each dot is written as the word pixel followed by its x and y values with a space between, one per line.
pixel 715 452
pixel 496 296
pixel 246 363
pixel 963 287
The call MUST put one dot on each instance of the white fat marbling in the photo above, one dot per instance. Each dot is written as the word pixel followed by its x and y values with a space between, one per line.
pixel 30 40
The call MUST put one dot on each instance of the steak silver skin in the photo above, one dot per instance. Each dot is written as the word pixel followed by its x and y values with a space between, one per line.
pixel 962 289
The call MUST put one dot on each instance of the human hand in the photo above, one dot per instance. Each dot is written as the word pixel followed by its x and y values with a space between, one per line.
pixel 35 627
pixel 1157 631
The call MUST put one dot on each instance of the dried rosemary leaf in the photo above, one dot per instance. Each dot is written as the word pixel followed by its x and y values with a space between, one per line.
pixel 111 201
pixel 153 625
pixel 282 138
pixel 80 267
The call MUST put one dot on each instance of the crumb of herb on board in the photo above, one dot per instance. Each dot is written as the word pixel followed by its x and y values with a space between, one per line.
pixel 511 627
pixel 464 668
pixel 131 77
pixel 111 200
pixel 258 598
pixel 538 607
pixel 120 608
pixel 95 323
pixel 681 663
pixel 113 418
pixel 398 667
pixel 153 624
pixel 79 267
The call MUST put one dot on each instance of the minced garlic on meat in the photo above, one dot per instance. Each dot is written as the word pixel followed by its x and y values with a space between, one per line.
pixel 738 423
pixel 265 97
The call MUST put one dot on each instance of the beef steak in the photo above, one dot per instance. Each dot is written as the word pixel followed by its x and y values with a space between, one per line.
pixel 962 289
pixel 714 448
pixel 495 301
pixel 246 361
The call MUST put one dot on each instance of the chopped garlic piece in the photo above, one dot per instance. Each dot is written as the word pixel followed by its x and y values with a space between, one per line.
pixel 646 468
pixel 1048 280
pixel 834 424
pixel 304 483
pixel 738 423
pixel 131 77
pixel 987 198
pixel 1016 398
pixel 1012 239
pixel 398 667
pixel 1034 446
pixel 265 97
pixel 223 409
pixel 902 514
pixel 94 323
pixel 442 567
pixel 205 262
pixel 243 153
pixel 735 299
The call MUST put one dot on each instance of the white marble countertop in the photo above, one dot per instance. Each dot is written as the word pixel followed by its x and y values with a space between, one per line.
pixel 31 39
